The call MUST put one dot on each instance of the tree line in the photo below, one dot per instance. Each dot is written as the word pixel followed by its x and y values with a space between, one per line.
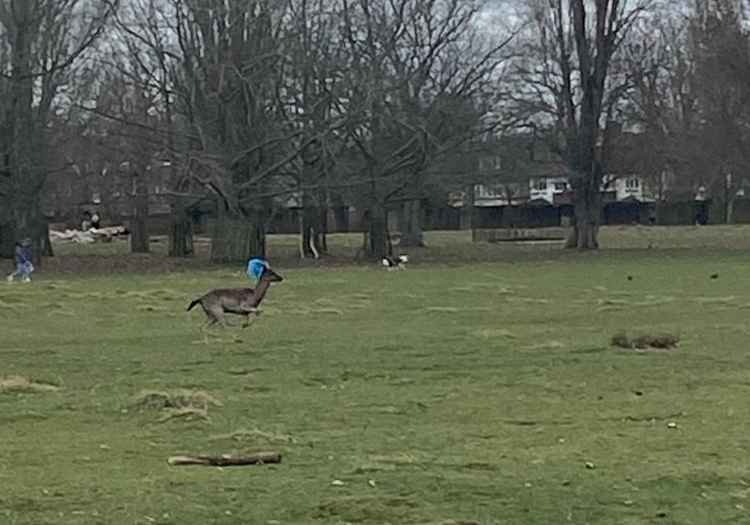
pixel 374 103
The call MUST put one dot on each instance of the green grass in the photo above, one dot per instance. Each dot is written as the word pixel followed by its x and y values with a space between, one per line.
pixel 461 391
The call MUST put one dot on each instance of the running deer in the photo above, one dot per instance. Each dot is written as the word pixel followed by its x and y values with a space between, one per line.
pixel 240 301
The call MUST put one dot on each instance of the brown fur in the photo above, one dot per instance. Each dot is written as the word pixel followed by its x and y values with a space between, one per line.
pixel 239 301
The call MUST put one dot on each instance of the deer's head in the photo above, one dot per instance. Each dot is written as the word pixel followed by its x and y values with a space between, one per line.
pixel 270 276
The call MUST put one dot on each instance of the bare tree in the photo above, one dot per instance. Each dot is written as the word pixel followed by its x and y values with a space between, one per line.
pixel 722 69
pixel 43 40
pixel 312 84
pixel 662 101
pixel 414 70
pixel 566 80
pixel 147 32
pixel 691 75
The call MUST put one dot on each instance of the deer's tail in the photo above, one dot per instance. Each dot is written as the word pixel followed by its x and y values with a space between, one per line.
pixel 195 301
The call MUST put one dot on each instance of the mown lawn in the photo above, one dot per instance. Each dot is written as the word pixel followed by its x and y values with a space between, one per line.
pixel 465 391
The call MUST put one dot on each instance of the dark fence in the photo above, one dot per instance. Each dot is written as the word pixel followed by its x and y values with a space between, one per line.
pixel 613 213
pixel 519 216
pixel 534 215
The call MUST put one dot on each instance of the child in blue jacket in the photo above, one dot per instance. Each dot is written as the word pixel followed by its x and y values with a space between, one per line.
pixel 23 262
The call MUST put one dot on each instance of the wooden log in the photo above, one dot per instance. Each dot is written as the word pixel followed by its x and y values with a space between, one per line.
pixel 226 460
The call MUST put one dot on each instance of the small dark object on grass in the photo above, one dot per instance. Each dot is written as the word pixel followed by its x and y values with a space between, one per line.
pixel 715 276
pixel 630 277
pixel 643 342
pixel 259 458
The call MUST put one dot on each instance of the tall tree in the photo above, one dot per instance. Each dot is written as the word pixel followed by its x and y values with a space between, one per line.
pixel 414 69
pixel 566 80
pixel 722 93
pixel 44 41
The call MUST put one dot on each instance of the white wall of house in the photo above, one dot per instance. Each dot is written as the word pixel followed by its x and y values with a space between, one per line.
pixel 489 196
pixel 547 187
pixel 630 186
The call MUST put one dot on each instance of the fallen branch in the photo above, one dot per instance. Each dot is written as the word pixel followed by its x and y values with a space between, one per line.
pixel 225 460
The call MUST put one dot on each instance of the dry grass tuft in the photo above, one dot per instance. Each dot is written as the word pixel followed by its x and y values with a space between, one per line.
pixel 166 294
pixel 492 333
pixel 182 404
pixel 546 345
pixel 253 436
pixel 185 414
pixel 445 309
pixel 333 311
pixel 24 384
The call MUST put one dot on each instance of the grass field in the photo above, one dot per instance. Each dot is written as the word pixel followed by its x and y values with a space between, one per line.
pixel 482 389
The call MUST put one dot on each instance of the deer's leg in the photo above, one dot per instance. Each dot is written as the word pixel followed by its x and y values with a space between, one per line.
pixel 252 312
pixel 215 315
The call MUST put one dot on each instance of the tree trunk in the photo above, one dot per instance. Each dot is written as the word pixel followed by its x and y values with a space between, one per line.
pixel 181 232
pixel 587 201
pixel 44 240
pixel 411 232
pixel 377 232
pixel 311 229
pixel 729 196
pixel 7 240
pixel 26 180
pixel 139 238
pixel 401 214
pixel 729 212
pixel 28 222
pixel 237 239
pixel 322 239
pixel 467 210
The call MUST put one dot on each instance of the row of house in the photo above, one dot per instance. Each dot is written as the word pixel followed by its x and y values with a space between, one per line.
pixel 556 190
pixel 523 169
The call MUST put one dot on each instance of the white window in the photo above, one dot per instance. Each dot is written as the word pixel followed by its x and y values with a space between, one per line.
pixel 560 186
pixel 541 185
pixel 632 183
